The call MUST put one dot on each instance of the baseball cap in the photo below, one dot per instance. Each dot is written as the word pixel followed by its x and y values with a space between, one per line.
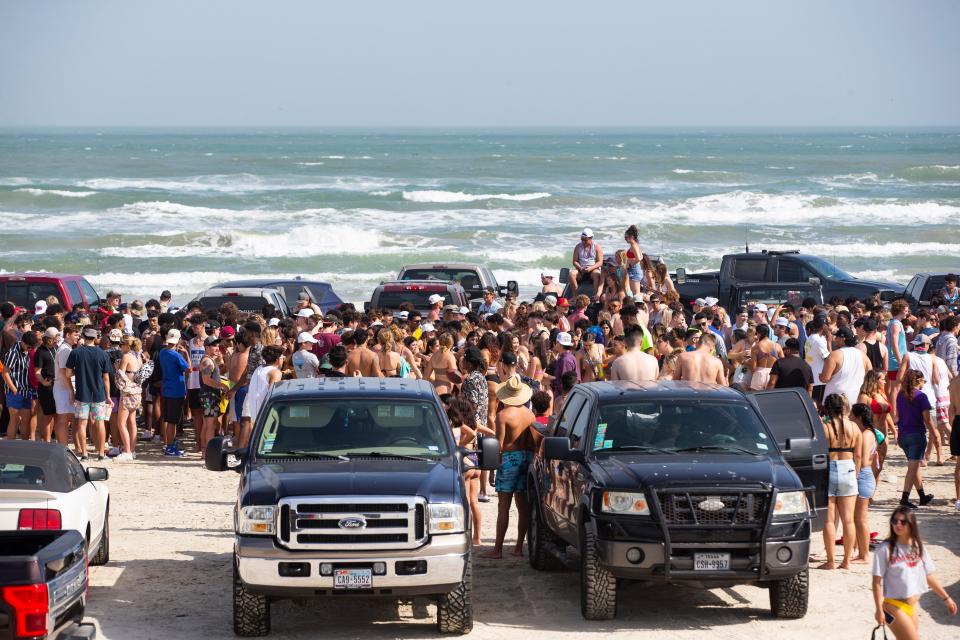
pixel 563 302
pixel 586 233
pixel 227 332
pixel 761 307
pixel 306 336
pixel 709 301
pixel 782 322
pixel 922 339
pixel 306 312
pixel 452 308
pixel 427 327
pixel 564 339
pixel 173 336
pixel 211 340
pixel 401 315
pixel 546 275
pixel 463 311
pixel 90 332
pixel 40 307
pixel 435 298
pixel 508 358
pixel 550 300
pixel 273 322
pixel 115 335
pixel 844 332
pixel 51 332
pixel 700 302
pixel 331 318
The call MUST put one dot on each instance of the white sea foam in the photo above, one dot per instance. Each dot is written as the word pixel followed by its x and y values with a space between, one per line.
pixel 234 183
pixel 57 192
pixel 381 192
pixel 311 164
pixel 459 196
pixel 14 181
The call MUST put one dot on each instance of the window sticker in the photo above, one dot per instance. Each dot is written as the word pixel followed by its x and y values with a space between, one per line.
pixel 762 446
pixel 403 411
pixel 383 411
pixel 299 411
pixel 601 434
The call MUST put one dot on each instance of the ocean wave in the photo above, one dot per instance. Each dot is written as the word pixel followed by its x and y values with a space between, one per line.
pixel 57 192
pixel 444 197
pixel 932 173
pixel 706 176
pixel 310 164
pixel 14 181
pixel 234 183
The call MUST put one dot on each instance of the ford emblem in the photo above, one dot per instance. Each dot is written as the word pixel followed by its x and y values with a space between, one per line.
pixel 710 504
pixel 358 522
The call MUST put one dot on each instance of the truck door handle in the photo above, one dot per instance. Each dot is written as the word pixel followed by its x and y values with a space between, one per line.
pixel 819 460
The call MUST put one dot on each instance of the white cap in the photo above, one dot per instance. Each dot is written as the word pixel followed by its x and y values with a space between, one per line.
pixel 51 332
pixel 401 315
pixel 273 322
pixel 783 322
pixel 564 339
pixel 708 301
pixel 426 327
pixel 546 275
pixel 40 307
pixel 761 307
pixel 700 302
pixel 586 233
pixel 463 311
pixel 376 323
pixel 550 300
pixel 305 336
pixel 173 336
pixel 435 298
pixel 306 312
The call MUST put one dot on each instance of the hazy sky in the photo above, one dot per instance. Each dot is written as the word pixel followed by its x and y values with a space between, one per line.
pixel 452 63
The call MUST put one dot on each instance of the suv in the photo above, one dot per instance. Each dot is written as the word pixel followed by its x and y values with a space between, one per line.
pixel 351 487
pixel 25 289
pixel 474 278
pixel 322 293
pixel 680 482
pixel 247 299
pixel 390 295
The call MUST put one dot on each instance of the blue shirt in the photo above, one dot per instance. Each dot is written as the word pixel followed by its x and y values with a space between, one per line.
pixel 173 366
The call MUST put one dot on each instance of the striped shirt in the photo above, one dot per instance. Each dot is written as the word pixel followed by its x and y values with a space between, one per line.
pixel 17 364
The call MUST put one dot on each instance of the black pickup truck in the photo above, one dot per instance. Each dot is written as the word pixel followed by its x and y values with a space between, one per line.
pixel 926 290
pixel 680 482
pixel 778 266
pixel 43 585
pixel 351 487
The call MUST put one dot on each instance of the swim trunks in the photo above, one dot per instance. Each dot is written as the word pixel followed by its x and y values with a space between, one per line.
pixel 512 473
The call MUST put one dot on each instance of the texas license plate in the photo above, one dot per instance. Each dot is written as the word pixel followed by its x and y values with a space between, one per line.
pixel 352 578
pixel 711 562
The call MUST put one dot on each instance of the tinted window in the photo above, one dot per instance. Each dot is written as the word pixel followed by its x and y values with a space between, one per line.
pixel 351 426
pixel 74 290
pixel 25 294
pixel 748 269
pixel 776 295
pixel 419 299
pixel 570 411
pixel 792 271
pixel 90 293
pixel 828 269
pixel 468 279
pixel 676 426
pixel 580 427
pixel 934 285
pixel 786 414
pixel 21 475
pixel 75 471
pixel 246 304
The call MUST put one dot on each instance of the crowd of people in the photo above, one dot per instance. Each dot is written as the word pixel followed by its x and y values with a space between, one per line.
pixel 103 381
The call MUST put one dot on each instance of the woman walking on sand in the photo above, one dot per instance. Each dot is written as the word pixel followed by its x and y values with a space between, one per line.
pixel 902 572
pixel 866 478
pixel 844 440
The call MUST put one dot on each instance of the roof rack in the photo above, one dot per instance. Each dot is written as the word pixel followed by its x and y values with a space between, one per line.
pixel 780 253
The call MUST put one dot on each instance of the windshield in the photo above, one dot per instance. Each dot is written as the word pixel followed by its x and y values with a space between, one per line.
pixel 674 426
pixel 829 270
pixel 347 426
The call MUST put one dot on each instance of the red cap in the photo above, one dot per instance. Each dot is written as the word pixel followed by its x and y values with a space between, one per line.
pixel 563 302
pixel 227 332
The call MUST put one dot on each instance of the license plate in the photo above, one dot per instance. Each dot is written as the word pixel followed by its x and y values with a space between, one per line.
pixel 352 578
pixel 711 562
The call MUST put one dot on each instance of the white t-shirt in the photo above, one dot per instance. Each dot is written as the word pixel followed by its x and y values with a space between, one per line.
pixel 61 362
pixel 817 352
pixel 305 364
pixel 905 575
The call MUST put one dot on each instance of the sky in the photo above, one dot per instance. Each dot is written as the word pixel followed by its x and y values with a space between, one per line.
pixel 409 63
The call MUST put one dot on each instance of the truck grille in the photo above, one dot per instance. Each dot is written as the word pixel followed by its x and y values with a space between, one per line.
pixel 703 509
pixel 378 522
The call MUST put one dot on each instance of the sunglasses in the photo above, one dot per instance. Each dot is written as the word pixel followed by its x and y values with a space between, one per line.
pixel 901 521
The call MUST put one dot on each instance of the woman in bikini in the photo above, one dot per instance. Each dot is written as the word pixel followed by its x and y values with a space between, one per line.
pixel 843 438
pixel 902 572
pixel 590 358
pixel 390 360
pixel 762 356
pixel 634 256
pixel 462 415
pixel 664 284
pixel 873 394
pixel 442 367
pixel 866 478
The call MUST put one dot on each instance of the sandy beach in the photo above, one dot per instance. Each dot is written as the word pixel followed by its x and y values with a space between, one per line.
pixel 169 577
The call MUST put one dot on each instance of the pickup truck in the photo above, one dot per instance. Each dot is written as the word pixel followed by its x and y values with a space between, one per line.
pixel 43 585
pixel 351 487
pixel 681 483
pixel 778 266
pixel 925 290
pixel 474 278
pixel 392 294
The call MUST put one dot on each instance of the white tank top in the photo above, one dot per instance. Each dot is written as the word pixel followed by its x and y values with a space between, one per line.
pixel 943 389
pixel 848 379
pixel 257 391
pixel 923 363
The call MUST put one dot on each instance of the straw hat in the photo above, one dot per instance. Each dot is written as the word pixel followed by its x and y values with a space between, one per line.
pixel 514 392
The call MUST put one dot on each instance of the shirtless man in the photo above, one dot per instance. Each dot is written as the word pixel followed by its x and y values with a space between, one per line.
pixel 549 286
pixel 362 361
pixel 634 365
pixel 519 438
pixel 701 364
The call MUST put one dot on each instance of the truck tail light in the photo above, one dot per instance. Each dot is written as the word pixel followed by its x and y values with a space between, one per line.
pixel 39 519
pixel 30 605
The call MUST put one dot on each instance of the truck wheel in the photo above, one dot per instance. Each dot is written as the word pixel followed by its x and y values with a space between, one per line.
pixel 538 537
pixel 102 556
pixel 598 587
pixel 788 598
pixel 455 609
pixel 251 612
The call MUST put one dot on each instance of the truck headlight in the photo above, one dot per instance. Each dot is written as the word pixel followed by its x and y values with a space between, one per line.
pixel 258 520
pixel 445 517
pixel 790 504
pixel 625 502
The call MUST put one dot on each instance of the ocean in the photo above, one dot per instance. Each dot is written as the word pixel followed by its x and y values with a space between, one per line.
pixel 142 211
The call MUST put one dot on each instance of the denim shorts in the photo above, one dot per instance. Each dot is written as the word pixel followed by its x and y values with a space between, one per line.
pixel 633 271
pixel 19 402
pixel 913 444
pixel 843 479
pixel 866 483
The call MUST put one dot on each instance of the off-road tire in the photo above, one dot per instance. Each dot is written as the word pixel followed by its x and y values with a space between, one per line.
pixel 102 555
pixel 598 587
pixel 538 539
pixel 455 609
pixel 251 612
pixel 788 598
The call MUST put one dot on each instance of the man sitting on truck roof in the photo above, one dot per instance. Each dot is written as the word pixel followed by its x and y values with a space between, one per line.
pixel 587 263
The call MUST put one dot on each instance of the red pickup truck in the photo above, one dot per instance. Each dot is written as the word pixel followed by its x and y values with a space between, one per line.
pixel 24 289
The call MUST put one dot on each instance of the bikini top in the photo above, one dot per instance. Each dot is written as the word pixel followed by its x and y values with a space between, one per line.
pixel 841 449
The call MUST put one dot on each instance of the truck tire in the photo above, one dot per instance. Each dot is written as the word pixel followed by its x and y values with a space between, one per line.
pixel 251 612
pixel 538 537
pixel 598 587
pixel 455 609
pixel 102 556
pixel 788 598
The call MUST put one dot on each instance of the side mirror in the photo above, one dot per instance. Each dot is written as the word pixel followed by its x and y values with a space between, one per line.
pixel 681 275
pixel 366 306
pixel 489 454
pixel 565 275
pixel 799 447
pixel 512 286
pixel 97 473
pixel 217 451
pixel 558 448
pixel 814 281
